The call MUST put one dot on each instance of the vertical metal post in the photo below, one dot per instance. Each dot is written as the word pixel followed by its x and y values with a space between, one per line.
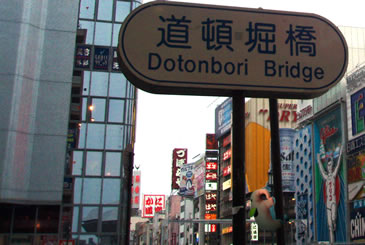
pixel 276 167
pixel 126 193
pixel 238 169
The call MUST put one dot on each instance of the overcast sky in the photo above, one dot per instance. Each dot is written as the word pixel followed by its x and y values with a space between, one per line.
pixel 165 122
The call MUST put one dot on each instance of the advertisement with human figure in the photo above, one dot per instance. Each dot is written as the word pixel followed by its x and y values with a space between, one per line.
pixel 329 177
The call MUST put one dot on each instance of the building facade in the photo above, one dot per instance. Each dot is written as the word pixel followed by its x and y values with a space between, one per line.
pixel 68 122
pixel 38 40
pixel 96 203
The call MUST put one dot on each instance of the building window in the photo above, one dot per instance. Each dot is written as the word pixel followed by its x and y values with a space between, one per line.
pixel 103 34
pixel 91 191
pixel 118 85
pixel 112 164
pixel 97 110
pixel 95 136
pixel 116 111
pixel 109 219
pixel 105 10
pixel 77 160
pixel 114 137
pixel 122 10
pixel 93 163
pixel 87 8
pixel 90 217
pixel 88 26
pixel 111 191
pixel 99 84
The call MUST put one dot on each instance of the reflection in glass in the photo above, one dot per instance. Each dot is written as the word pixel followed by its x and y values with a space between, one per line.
pixel 86 83
pixel 111 191
pixel 91 192
pixel 93 163
pixel 24 219
pixel 75 219
pixel 123 9
pixel 105 10
pixel 89 27
pixel 117 85
pixel 99 84
pixel 109 219
pixel 116 111
pixel 77 190
pixel 84 108
pixel 87 240
pixel 109 240
pixel 116 28
pixel 95 136
pixel 112 164
pixel 103 34
pixel 97 110
pixel 77 163
pixel 90 216
pixel 87 8
pixel 6 212
pixel 47 219
pixel 81 139
pixel 114 137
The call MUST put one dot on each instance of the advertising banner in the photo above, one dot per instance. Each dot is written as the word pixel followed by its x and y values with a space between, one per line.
pixel 356 175
pixel 179 158
pixel 329 177
pixel 186 180
pixel 211 142
pixel 357 223
pixel 356 100
pixel 223 118
pixel 199 180
pixel 286 158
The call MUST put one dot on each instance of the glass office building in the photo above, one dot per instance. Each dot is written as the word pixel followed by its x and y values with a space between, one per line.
pixel 101 126
pixel 68 118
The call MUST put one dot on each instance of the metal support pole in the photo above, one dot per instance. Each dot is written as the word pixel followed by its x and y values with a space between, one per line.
pixel 276 167
pixel 238 169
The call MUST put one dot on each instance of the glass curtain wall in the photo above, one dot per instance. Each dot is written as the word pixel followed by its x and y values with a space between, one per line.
pixel 102 120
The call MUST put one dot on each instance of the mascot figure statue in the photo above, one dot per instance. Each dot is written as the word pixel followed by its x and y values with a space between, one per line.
pixel 263 209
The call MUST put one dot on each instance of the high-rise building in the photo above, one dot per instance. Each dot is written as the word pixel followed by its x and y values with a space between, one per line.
pixel 101 127
pixel 67 123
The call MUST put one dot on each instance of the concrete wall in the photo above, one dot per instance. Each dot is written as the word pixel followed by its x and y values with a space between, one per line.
pixel 37 49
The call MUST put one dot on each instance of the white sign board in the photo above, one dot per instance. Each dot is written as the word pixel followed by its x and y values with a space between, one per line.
pixel 184 48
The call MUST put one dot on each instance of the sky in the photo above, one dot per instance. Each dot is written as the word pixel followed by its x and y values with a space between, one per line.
pixel 165 122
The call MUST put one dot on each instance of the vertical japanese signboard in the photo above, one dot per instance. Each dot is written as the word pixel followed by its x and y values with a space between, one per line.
pixel 136 187
pixel 152 204
pixel 179 158
pixel 329 177
pixel 264 52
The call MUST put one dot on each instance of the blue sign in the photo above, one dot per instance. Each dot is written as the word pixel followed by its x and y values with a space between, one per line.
pixel 223 118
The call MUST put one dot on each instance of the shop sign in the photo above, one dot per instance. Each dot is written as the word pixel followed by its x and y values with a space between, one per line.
pixel 226 184
pixel 152 204
pixel 211 176
pixel 357 224
pixel 211 165
pixel 227 154
pixel 179 158
pixel 211 186
pixel 227 170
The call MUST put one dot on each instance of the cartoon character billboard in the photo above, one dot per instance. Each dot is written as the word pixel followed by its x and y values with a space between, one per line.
pixel 330 177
